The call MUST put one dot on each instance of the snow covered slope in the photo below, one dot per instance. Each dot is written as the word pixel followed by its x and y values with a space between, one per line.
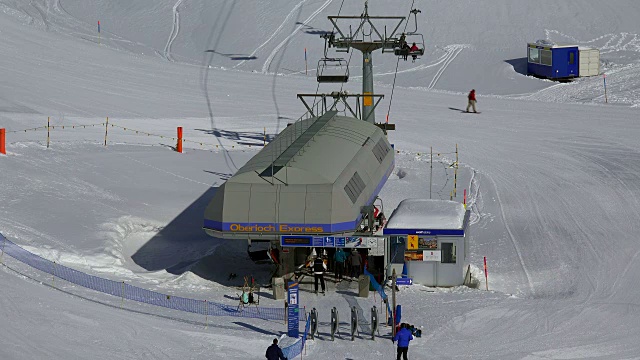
pixel 469 43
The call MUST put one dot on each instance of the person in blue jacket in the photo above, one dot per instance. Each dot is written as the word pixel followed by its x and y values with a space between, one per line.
pixel 274 352
pixel 403 337
pixel 340 257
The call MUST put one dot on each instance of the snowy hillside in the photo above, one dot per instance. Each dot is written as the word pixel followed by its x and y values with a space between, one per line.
pixel 480 44
pixel 553 173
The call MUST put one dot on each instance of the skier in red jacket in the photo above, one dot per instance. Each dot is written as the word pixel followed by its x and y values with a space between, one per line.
pixel 414 48
pixel 472 100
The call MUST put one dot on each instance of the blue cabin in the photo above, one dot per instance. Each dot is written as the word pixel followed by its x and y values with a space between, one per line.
pixel 552 61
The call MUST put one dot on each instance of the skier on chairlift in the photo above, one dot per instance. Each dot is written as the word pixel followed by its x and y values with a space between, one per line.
pixel 414 49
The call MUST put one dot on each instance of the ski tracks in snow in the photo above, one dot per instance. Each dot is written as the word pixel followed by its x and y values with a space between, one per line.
pixel 286 20
pixel 267 63
pixel 512 237
pixel 452 52
pixel 175 28
pixel 607 43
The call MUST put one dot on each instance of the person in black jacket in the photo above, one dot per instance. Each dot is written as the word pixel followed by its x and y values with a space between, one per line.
pixel 274 352
pixel 319 267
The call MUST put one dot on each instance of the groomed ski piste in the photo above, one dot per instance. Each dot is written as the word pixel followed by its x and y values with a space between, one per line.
pixel 552 173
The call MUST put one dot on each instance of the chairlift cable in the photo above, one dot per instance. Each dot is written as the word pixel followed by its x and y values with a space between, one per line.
pixel 395 75
pixel 325 55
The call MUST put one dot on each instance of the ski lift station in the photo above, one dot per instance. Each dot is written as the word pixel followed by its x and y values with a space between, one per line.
pixel 316 183
pixel 549 60
pixel 428 237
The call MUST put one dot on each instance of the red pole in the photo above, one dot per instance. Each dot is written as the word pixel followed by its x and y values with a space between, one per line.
pixel 179 145
pixel 486 275
pixel 3 149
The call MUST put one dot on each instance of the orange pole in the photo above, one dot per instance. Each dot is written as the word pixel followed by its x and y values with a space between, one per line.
pixel 3 149
pixel 179 145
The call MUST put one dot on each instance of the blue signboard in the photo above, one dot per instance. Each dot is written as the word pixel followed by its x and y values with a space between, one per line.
pixel 318 241
pixel 404 281
pixel 293 311
pixel 340 242
pixel 329 241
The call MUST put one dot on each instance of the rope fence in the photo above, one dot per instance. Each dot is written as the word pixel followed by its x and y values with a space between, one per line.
pixel 266 140
pixel 109 124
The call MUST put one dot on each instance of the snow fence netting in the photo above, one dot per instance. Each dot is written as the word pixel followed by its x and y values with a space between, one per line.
pixel 130 292
pixel 297 347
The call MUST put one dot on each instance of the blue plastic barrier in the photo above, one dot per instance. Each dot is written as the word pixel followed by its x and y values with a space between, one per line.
pixel 379 288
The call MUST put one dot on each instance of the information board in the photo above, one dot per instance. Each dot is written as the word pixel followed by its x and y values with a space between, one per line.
pixel 293 311
pixel 296 240
pixel 329 241
pixel 412 242
pixel 432 255
pixel 376 244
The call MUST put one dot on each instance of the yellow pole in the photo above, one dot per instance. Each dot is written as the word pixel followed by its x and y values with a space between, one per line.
pixel 48 127
pixel 106 131
pixel 431 172
pixel 455 174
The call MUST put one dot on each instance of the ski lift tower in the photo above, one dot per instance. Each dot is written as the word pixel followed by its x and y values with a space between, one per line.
pixel 367 43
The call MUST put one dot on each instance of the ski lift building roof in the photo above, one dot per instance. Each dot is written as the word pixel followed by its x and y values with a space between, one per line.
pixel 314 178
pixel 416 216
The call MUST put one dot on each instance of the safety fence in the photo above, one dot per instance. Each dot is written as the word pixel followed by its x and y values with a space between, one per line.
pixel 296 348
pixel 437 156
pixel 129 292
pixel 446 163
pixel 107 125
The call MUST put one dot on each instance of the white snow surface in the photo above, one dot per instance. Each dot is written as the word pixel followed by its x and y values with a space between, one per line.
pixel 427 214
pixel 552 172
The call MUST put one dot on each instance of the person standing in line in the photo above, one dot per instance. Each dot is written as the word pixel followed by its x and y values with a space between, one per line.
pixel 356 263
pixel 340 257
pixel 472 100
pixel 274 352
pixel 403 337
pixel 319 267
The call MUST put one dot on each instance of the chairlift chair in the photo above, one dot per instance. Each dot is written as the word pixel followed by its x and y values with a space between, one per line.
pixel 410 39
pixel 333 70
